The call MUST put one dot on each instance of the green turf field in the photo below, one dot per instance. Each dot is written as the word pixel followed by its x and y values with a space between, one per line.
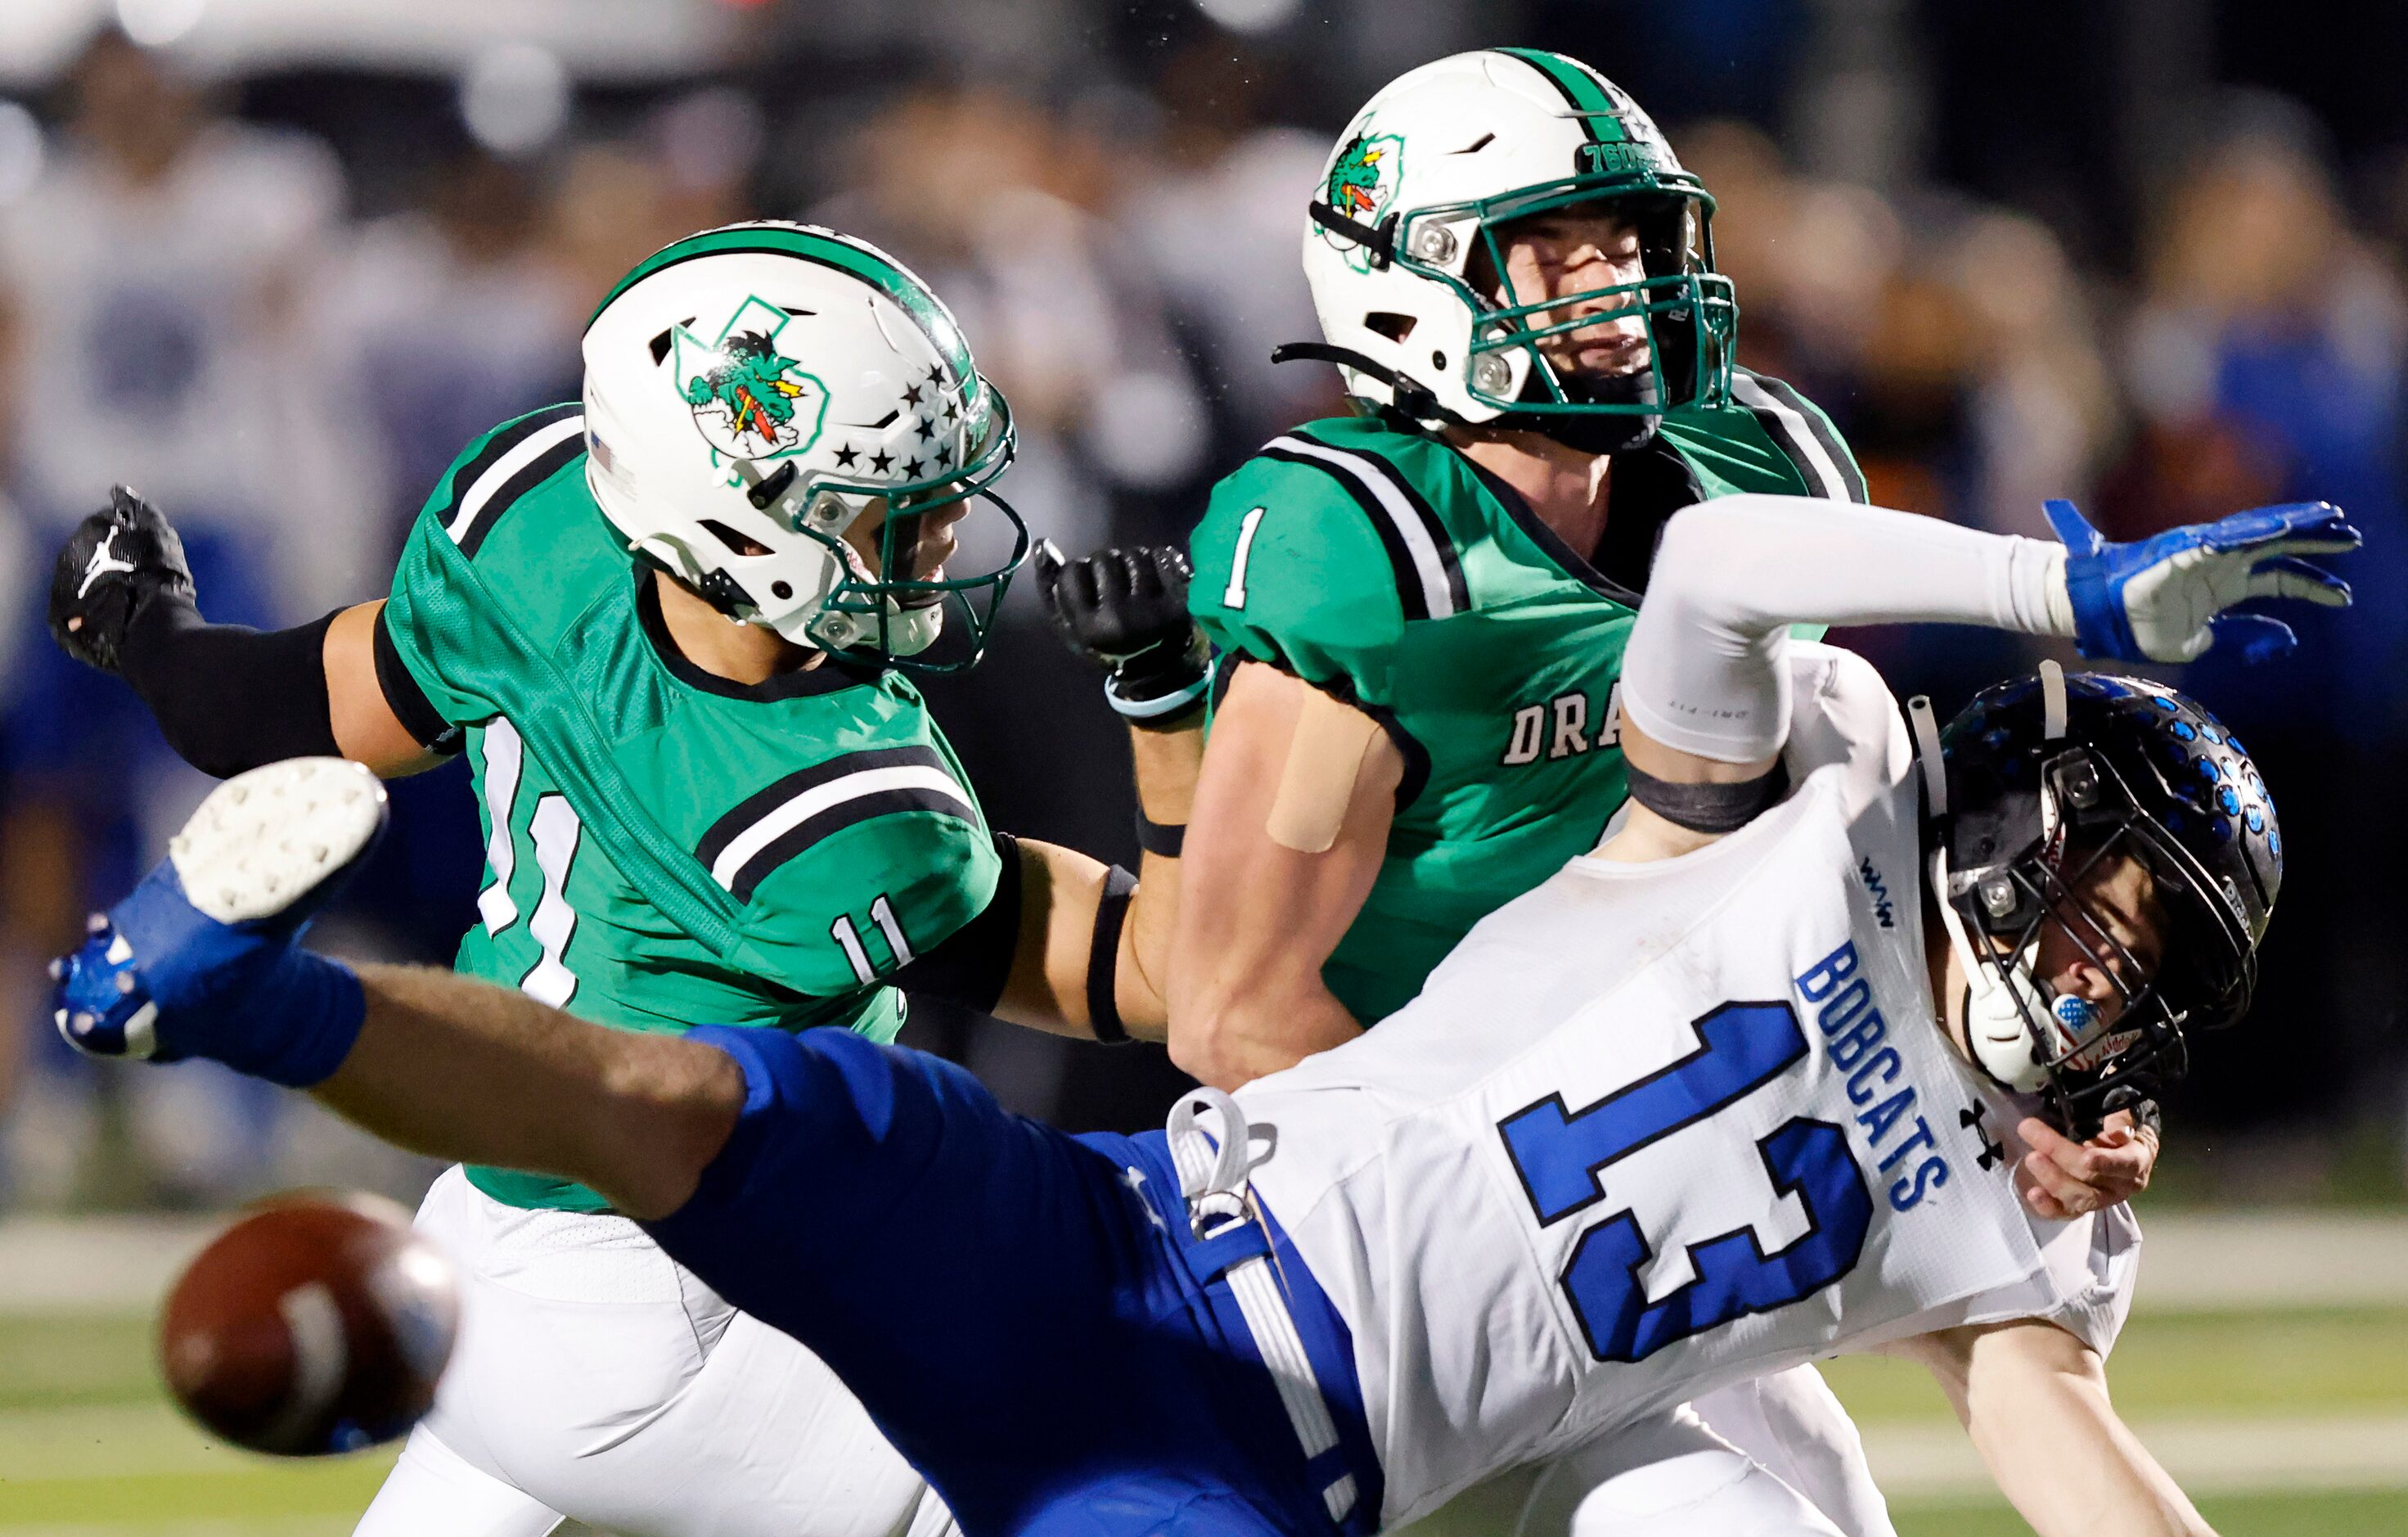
pixel 88 1448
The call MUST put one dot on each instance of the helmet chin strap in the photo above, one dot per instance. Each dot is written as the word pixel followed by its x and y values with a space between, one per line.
pixel 2003 995
pixel 1598 432
pixel 1997 997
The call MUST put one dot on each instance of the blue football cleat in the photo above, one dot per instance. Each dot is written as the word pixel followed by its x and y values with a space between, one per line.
pixel 262 856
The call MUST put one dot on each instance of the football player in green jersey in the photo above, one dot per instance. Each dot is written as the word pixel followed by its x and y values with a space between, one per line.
pixel 665 626
pixel 1516 277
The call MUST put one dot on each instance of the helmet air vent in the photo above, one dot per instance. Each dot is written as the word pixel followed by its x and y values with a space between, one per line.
pixel 666 339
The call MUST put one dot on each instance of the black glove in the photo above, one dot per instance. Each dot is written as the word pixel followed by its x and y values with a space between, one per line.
pixel 117 563
pixel 1125 610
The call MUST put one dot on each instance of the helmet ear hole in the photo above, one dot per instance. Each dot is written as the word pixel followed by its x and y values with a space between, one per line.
pixel 1394 326
pixel 737 543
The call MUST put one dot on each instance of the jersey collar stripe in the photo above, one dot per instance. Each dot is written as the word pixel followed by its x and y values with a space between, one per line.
pixel 546 448
pixel 1787 427
pixel 816 814
pixel 765 802
pixel 1786 393
pixel 1430 562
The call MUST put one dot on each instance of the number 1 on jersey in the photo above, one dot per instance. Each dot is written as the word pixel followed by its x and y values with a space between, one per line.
pixel 1234 596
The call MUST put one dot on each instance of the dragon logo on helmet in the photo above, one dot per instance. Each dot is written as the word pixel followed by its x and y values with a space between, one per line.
pixel 1363 182
pixel 750 399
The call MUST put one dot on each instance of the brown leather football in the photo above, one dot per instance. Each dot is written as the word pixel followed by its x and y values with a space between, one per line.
pixel 318 1323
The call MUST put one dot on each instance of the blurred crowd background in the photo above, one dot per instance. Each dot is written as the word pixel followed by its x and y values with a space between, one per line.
pixel 275 264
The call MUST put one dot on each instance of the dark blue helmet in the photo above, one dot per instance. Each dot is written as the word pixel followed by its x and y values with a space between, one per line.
pixel 2034 805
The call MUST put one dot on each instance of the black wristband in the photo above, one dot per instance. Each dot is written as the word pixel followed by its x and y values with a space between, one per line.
pixel 1708 808
pixel 1104 958
pixel 1163 839
pixel 228 698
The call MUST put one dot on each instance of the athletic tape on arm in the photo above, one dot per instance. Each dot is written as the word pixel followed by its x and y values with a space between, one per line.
pixel 1316 784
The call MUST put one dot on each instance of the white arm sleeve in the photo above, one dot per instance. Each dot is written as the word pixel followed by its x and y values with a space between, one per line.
pixel 1703 672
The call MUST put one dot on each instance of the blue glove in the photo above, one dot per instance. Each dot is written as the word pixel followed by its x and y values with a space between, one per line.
pixel 2167 599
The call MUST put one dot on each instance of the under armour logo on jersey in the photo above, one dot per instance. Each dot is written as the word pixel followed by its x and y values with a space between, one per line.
pixel 1992 1153
pixel 103 562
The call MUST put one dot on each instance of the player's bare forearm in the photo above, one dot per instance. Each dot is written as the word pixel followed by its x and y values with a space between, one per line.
pixel 1061 890
pixel 1168 765
pixel 463 1070
pixel 1259 916
pixel 366 727
pixel 2034 1398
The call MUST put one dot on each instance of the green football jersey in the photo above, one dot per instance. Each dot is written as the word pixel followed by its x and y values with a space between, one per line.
pixel 663 847
pixel 1370 559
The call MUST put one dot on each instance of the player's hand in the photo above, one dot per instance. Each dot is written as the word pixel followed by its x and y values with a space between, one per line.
pixel 114 564
pixel 2167 599
pixel 1125 610
pixel 2063 1179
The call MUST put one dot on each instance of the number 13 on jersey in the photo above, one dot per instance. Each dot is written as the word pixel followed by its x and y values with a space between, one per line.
pixel 1564 1156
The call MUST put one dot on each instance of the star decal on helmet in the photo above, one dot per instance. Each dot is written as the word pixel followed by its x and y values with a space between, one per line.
pixel 926 426
pixel 912 469
pixel 911 396
pixel 847 456
pixel 750 399
pixel 882 462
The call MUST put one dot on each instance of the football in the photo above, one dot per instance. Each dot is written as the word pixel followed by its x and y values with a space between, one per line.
pixel 318 1323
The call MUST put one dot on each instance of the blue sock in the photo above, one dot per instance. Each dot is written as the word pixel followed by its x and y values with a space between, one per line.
pixel 164 975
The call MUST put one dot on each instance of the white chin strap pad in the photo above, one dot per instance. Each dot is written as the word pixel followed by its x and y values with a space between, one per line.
pixel 1995 1028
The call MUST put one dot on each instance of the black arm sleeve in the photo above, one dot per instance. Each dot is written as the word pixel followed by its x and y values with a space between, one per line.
pixel 974 962
pixel 228 698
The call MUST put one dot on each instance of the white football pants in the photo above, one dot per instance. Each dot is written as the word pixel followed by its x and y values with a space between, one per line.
pixel 596 1379
pixel 1777 1457
pixel 1669 1476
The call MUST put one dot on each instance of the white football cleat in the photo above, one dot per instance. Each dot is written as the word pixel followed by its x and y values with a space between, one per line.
pixel 275 837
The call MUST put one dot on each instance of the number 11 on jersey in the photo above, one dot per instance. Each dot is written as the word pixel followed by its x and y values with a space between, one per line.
pixel 848 938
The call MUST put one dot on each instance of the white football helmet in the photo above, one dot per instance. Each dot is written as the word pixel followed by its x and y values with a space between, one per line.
pixel 751 393
pixel 1416 189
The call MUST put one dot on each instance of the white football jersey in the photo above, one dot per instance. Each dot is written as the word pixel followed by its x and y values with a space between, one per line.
pixel 1654 1129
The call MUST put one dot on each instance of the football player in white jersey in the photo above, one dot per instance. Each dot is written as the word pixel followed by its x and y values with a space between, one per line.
pixel 1705 1104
